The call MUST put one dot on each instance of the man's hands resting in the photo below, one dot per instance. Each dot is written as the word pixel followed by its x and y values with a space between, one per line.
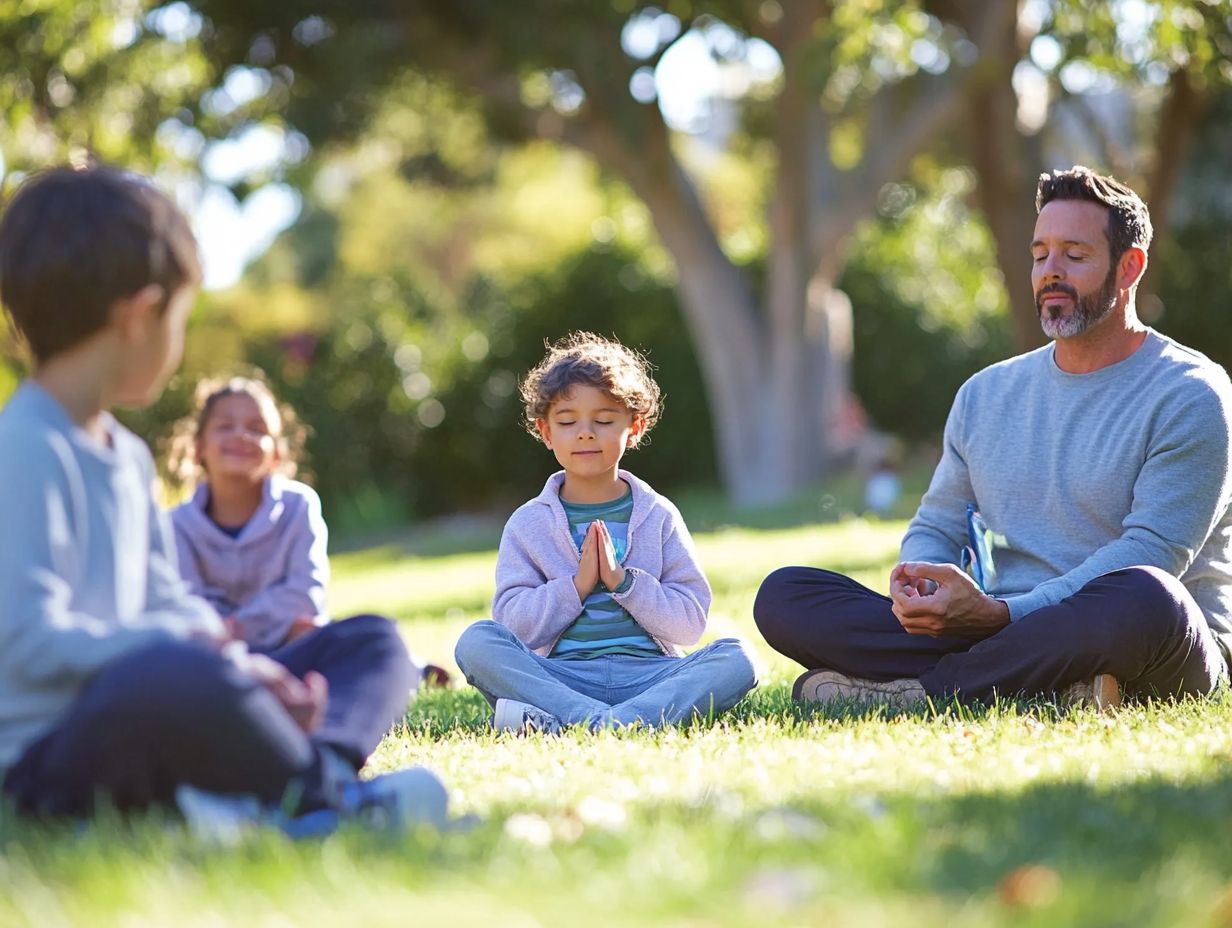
pixel 940 599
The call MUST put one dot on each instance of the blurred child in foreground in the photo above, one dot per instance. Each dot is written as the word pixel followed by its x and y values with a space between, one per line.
pixel 115 682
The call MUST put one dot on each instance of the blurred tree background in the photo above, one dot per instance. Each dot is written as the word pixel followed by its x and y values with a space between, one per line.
pixel 812 216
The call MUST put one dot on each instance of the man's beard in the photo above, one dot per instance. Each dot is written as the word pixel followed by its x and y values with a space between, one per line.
pixel 1088 310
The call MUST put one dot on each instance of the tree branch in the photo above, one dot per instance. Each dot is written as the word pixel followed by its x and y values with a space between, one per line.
pixel 904 118
pixel 1180 114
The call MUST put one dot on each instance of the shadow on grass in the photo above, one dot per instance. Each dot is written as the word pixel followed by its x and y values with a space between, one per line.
pixel 461 709
pixel 1146 851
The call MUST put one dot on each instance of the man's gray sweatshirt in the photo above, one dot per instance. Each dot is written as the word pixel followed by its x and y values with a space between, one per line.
pixel 1082 474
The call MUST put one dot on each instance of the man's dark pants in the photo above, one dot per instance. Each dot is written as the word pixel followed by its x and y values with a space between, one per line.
pixel 179 713
pixel 1140 624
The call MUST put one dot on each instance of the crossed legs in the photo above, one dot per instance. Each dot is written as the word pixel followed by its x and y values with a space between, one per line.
pixel 615 690
pixel 1139 624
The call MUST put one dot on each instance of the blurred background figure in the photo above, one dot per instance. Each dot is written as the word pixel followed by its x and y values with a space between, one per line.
pixel 882 489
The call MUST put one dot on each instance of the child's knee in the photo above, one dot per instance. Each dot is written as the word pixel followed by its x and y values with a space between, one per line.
pixel 738 662
pixel 368 624
pixel 475 642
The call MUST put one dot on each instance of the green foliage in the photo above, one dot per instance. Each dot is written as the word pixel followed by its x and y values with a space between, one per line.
pixel 1195 284
pixel 97 76
pixel 1194 275
pixel 929 305
pixel 1145 41
pixel 434 424
pixel 604 290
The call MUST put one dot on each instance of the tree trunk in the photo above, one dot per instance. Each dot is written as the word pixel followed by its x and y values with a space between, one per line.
pixel 1181 113
pixel 765 370
pixel 772 388
pixel 1005 161
pixel 778 374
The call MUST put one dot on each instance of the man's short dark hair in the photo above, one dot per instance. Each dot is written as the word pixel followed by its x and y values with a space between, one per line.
pixel 72 242
pixel 1129 221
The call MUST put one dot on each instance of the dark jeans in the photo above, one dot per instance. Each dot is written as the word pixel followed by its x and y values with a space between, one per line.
pixel 179 713
pixel 1139 624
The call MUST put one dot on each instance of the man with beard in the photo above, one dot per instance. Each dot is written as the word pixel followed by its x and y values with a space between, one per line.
pixel 1085 486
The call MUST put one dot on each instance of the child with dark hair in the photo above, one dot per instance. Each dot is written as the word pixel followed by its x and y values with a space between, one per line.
pixel 598 584
pixel 116 682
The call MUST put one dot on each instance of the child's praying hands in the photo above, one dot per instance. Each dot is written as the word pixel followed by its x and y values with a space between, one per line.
pixel 587 576
pixel 610 571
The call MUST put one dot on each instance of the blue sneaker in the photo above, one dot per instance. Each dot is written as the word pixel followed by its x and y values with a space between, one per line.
pixel 391 802
pixel 402 799
pixel 394 801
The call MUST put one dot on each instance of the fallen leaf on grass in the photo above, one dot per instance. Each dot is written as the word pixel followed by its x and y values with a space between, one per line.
pixel 1029 886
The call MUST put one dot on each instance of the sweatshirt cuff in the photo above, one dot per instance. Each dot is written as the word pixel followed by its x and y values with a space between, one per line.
pixel 626 582
pixel 1024 604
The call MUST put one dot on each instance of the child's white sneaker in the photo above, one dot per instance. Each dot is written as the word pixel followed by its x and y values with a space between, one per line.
pixel 511 715
pixel 218 818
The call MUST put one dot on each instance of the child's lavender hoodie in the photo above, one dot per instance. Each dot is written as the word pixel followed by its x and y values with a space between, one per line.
pixel 274 572
pixel 535 596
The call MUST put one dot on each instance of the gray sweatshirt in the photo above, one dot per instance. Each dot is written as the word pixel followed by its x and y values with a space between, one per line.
pixel 1082 474
pixel 273 572
pixel 87 570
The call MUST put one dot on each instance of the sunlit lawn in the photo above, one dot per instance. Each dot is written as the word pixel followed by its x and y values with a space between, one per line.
pixel 1018 815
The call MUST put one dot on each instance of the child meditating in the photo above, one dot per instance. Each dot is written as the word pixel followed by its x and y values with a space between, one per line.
pixel 116 683
pixel 597 582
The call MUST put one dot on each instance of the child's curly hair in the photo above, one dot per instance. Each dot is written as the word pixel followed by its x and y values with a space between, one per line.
pixel 591 360
pixel 288 432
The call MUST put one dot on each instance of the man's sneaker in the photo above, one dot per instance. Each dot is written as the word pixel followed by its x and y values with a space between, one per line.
pixel 511 715
pixel 832 686
pixel 1101 693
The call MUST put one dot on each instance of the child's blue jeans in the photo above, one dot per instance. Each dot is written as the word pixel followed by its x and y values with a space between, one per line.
pixel 614 690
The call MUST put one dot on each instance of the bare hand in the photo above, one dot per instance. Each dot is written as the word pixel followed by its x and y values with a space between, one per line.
pixel 304 699
pixel 610 571
pixel 940 599
pixel 300 627
pixel 587 576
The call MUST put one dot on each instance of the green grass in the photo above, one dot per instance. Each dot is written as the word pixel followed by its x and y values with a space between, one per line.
pixel 1020 814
